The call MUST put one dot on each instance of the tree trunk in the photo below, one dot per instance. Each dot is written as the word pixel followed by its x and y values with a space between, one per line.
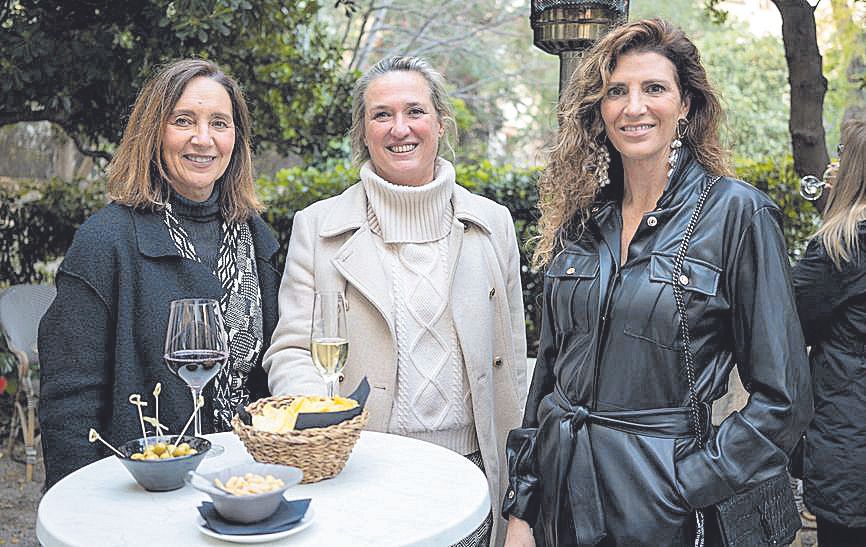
pixel 808 86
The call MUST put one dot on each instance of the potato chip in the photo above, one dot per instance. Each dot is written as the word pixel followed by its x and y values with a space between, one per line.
pixel 281 419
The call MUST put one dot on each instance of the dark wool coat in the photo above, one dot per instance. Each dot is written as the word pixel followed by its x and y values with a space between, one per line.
pixel 832 307
pixel 102 338
pixel 614 452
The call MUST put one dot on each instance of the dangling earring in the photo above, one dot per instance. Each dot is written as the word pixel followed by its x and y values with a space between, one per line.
pixel 602 162
pixel 682 126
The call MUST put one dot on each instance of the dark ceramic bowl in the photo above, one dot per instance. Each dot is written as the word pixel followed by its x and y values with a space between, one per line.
pixel 162 475
pixel 246 508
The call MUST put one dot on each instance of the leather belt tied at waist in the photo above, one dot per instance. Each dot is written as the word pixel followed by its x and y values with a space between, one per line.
pixel 565 442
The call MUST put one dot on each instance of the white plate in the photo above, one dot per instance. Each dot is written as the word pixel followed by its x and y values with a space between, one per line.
pixel 258 538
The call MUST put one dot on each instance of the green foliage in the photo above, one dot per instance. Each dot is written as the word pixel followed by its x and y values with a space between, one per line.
pixel 39 219
pixel 751 74
pixel 80 64
pixel 844 66
pixel 781 183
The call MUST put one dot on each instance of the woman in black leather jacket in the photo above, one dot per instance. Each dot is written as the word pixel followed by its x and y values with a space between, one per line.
pixel 830 284
pixel 609 453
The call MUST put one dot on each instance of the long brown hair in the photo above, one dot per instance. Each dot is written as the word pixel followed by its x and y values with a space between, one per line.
pixel 568 185
pixel 846 205
pixel 136 173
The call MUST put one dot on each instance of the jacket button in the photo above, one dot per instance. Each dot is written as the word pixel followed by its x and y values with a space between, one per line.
pixel 569 271
pixel 684 279
pixel 497 362
pixel 652 221
pixel 342 377
pixel 492 292
pixel 511 494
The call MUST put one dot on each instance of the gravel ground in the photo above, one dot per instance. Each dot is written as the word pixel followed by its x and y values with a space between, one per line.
pixel 19 498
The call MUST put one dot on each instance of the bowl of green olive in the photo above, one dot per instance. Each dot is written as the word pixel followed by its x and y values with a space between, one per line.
pixel 160 464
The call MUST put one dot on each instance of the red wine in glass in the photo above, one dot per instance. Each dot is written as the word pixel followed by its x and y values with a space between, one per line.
pixel 196 367
pixel 196 347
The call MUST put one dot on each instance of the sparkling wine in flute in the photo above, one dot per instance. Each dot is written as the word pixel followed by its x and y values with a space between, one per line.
pixel 196 367
pixel 329 340
pixel 329 355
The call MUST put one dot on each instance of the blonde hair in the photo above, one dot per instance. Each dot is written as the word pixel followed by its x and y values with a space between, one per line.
pixel 568 186
pixel 136 173
pixel 438 96
pixel 846 205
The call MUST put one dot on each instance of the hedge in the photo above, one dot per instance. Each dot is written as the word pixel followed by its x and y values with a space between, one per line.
pixel 39 218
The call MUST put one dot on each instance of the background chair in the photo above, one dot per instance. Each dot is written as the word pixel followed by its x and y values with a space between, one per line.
pixel 21 308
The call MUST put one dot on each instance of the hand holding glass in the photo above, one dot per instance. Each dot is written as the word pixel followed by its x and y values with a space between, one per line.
pixel 196 344
pixel 329 343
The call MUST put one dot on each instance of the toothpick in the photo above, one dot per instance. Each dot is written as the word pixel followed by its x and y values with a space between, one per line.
pixel 198 404
pixel 135 399
pixel 156 425
pixel 93 436
pixel 159 427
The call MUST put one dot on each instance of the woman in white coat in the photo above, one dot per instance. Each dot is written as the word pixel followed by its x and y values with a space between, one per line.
pixel 431 276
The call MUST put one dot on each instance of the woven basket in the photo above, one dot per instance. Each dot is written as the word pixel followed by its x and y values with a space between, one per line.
pixel 319 452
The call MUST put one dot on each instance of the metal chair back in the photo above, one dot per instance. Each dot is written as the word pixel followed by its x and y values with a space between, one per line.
pixel 21 308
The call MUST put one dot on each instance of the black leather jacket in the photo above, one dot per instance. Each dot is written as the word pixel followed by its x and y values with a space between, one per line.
pixel 607 454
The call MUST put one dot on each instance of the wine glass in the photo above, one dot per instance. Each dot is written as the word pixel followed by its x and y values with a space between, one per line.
pixel 196 346
pixel 329 343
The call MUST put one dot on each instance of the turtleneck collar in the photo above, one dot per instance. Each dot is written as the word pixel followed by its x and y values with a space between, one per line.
pixel 199 211
pixel 410 214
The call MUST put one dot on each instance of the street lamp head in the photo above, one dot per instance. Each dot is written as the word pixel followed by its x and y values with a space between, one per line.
pixel 560 26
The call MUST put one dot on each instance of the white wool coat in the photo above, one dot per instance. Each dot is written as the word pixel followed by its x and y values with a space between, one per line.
pixel 332 248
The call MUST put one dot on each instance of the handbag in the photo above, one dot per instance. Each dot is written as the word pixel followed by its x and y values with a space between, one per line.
pixel 766 514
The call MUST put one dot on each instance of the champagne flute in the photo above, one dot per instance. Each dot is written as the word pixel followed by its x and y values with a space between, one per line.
pixel 196 347
pixel 329 343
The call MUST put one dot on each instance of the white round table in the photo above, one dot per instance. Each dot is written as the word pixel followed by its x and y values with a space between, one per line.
pixel 393 491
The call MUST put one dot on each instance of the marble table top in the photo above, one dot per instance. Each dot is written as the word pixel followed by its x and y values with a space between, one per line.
pixel 393 491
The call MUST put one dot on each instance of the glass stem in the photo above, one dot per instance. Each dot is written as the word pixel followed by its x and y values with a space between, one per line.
pixel 332 385
pixel 195 395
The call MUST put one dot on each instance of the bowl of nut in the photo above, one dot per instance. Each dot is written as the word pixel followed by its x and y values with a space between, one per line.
pixel 160 464
pixel 247 492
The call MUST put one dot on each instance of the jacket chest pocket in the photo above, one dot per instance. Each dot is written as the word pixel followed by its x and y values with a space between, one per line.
pixel 574 289
pixel 652 311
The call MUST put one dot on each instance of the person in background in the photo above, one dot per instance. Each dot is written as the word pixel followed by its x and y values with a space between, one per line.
pixel 431 278
pixel 830 285
pixel 610 450
pixel 183 223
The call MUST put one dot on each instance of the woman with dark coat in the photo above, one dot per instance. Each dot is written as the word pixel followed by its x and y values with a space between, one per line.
pixel 830 284
pixel 183 223
pixel 609 452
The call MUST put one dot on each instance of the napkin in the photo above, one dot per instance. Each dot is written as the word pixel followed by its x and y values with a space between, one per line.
pixel 307 420
pixel 288 515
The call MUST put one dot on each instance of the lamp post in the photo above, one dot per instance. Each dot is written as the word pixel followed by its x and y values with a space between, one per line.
pixel 569 27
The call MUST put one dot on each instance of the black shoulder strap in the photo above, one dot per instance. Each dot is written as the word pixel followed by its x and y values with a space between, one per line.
pixel 679 281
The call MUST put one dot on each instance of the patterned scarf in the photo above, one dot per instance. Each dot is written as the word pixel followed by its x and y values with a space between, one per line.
pixel 241 307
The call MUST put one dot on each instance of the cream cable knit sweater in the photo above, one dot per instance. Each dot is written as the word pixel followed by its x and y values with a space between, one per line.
pixel 432 400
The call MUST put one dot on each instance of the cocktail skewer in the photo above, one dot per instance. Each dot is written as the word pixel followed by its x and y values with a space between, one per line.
pixel 135 399
pixel 198 404
pixel 156 425
pixel 156 391
pixel 93 436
